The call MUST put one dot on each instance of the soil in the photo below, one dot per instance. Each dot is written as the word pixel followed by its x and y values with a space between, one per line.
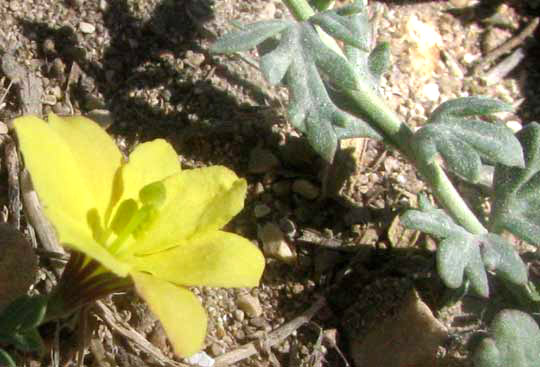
pixel 143 67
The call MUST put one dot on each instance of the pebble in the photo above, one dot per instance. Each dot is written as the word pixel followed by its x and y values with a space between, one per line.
pixel 261 210
pixel 194 58
pixel 102 117
pixel 514 125
pixel 281 188
pixel 258 322
pixel 288 227
pixel 87 28
pixel 58 69
pixel 249 304
pixel 239 334
pixel 431 92
pixel 216 349
pixel 306 189
pixel 262 160
pixel 3 128
pixel 274 243
pixel 201 359
pixel 239 315
pixel 460 3
pixel 49 99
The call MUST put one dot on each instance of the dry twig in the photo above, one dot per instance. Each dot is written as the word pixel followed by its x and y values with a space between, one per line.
pixel 35 216
pixel 272 339
pixel 12 165
pixel 133 336
pixel 507 46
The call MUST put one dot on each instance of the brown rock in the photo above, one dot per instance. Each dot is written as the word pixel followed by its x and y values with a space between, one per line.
pixel 411 337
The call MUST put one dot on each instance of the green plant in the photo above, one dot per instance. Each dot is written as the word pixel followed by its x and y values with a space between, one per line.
pixel 333 94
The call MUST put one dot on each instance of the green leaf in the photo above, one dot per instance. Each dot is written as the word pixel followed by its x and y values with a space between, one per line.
pixel 309 69
pixel 432 221
pixel 28 341
pixel 311 110
pixel 463 144
pixel 500 257
pixel 458 256
pixel 26 312
pixel 340 28
pixel 249 36
pixel 514 340
pixel 463 254
pixel 6 360
pixel 379 60
pixel 467 106
pixel 516 204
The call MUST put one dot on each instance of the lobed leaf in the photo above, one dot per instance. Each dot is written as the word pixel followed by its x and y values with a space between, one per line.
pixel 433 221
pixel 462 254
pixel 464 144
pixel 467 106
pixel 379 60
pixel 249 36
pixel 340 28
pixel 514 340
pixel 309 69
pixel 516 200
pixel 500 256
pixel 458 256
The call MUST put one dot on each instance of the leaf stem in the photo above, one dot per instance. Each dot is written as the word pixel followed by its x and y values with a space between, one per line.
pixel 367 102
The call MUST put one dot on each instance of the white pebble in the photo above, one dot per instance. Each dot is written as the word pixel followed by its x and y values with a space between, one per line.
pixel 87 27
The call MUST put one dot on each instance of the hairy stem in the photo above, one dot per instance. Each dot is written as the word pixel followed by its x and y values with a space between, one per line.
pixel 367 102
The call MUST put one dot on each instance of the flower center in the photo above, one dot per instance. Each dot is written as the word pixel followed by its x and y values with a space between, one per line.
pixel 134 219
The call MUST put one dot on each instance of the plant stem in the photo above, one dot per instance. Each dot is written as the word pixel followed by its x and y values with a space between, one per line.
pixel 367 102
pixel 300 9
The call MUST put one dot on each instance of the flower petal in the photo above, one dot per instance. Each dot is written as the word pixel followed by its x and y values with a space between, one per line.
pixel 149 162
pixel 78 236
pixel 216 259
pixel 72 162
pixel 179 311
pixel 198 200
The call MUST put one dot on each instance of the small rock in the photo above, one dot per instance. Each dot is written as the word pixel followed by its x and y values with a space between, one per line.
pixel 239 315
pixel 58 69
pixel 274 243
pixel 216 349
pixel 281 188
pixel 261 210
pixel 431 92
pixel 239 334
pixel 49 99
pixel 262 161
pixel 87 28
pixel 14 5
pixel 460 3
pixel 102 117
pixel 288 227
pixel 48 46
pixel 258 322
pixel 3 128
pixel 201 359
pixel 306 189
pixel 249 304
pixel 514 125
pixel 194 58
pixel 103 5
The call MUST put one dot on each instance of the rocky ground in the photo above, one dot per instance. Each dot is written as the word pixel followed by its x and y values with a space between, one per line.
pixel 343 278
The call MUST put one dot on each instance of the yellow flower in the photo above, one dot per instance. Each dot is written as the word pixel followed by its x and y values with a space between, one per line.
pixel 144 218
